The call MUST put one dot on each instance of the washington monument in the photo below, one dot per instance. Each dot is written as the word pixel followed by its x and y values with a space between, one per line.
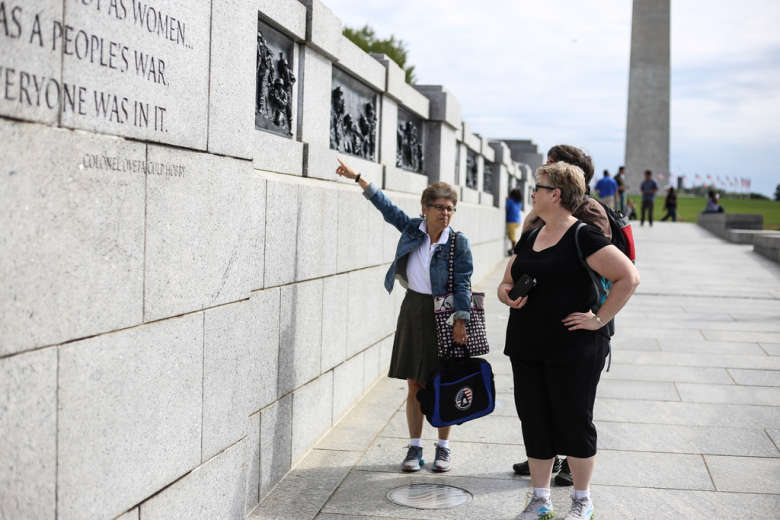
pixel 647 126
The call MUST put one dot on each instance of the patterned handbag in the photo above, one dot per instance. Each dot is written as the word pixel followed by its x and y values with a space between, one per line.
pixel 443 311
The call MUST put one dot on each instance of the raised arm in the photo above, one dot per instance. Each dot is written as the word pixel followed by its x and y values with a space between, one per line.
pixel 390 212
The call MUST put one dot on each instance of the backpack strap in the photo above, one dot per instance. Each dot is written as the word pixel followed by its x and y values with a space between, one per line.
pixel 595 280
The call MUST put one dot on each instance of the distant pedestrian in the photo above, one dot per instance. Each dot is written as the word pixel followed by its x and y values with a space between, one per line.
pixel 712 203
pixel 671 205
pixel 648 189
pixel 514 208
pixel 607 188
pixel 630 210
pixel 620 179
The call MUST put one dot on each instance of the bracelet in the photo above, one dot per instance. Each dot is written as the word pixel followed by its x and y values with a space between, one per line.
pixel 357 178
pixel 599 320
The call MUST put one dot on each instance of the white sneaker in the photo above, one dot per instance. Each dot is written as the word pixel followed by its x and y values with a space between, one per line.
pixel 539 508
pixel 581 509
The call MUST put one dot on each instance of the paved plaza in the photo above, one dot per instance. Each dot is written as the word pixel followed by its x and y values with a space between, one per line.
pixel 688 416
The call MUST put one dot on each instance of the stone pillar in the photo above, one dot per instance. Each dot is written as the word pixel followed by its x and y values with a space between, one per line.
pixel 503 162
pixel 647 127
pixel 441 132
pixel 525 151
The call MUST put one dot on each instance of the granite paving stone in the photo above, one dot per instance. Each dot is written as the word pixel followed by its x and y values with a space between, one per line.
pixel 491 428
pixel 305 490
pixel 667 373
pixel 684 413
pixel 774 434
pixel 657 470
pixel 755 377
pixel 639 503
pixel 685 439
pixel 700 360
pixel 773 349
pixel 738 335
pixel 711 347
pixel 637 390
pixel 364 492
pixel 469 459
pixel 745 474
pixel 729 394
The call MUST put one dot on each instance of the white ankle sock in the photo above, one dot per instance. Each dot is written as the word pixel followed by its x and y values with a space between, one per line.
pixel 581 493
pixel 441 443
pixel 542 492
pixel 415 442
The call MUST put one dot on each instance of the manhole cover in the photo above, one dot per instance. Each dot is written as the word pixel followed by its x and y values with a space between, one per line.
pixel 429 496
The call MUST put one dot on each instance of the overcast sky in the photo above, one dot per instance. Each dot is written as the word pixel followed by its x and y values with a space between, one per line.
pixel 556 71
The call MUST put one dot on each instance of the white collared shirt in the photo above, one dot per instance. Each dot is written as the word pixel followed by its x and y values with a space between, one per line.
pixel 418 268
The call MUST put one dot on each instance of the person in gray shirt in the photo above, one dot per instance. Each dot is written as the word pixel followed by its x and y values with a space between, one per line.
pixel 648 189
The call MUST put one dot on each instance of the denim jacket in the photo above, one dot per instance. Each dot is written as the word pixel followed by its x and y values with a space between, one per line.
pixel 411 238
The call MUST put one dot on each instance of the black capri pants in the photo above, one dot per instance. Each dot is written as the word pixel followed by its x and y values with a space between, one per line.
pixel 554 401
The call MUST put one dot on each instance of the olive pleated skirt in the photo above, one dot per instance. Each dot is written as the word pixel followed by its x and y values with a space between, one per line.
pixel 415 353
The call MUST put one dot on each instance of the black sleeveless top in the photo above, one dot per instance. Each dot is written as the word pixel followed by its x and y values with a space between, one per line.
pixel 562 287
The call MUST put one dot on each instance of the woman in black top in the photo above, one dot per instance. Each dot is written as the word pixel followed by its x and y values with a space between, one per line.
pixel 556 344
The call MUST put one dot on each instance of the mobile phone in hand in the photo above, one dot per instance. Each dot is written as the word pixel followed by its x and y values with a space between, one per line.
pixel 522 286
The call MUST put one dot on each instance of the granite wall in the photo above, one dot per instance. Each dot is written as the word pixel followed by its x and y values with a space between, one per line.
pixel 189 303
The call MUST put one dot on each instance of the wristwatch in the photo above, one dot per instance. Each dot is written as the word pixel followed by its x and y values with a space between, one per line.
pixel 598 320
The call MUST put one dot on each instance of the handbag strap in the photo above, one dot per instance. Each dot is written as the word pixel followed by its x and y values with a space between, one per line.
pixel 451 265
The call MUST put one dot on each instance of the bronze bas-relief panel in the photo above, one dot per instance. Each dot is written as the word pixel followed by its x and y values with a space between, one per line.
pixel 275 81
pixel 353 116
pixel 410 151
pixel 471 170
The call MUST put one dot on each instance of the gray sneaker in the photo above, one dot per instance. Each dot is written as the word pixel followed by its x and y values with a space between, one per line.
pixel 539 508
pixel 443 460
pixel 414 459
pixel 581 509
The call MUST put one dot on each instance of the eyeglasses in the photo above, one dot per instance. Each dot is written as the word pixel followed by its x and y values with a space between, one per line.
pixel 450 209
pixel 543 187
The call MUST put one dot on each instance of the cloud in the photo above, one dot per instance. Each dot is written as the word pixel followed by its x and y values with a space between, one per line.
pixel 557 71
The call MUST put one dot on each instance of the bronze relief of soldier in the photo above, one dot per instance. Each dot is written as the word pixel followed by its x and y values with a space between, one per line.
pixel 275 81
pixel 352 132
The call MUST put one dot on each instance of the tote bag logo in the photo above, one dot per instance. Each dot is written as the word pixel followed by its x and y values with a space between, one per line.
pixel 464 398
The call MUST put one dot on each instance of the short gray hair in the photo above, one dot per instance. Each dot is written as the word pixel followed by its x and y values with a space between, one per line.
pixel 439 190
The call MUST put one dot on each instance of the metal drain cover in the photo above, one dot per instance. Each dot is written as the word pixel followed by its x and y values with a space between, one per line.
pixel 429 496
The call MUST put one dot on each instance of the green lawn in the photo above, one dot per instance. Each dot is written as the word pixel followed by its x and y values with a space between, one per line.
pixel 689 207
